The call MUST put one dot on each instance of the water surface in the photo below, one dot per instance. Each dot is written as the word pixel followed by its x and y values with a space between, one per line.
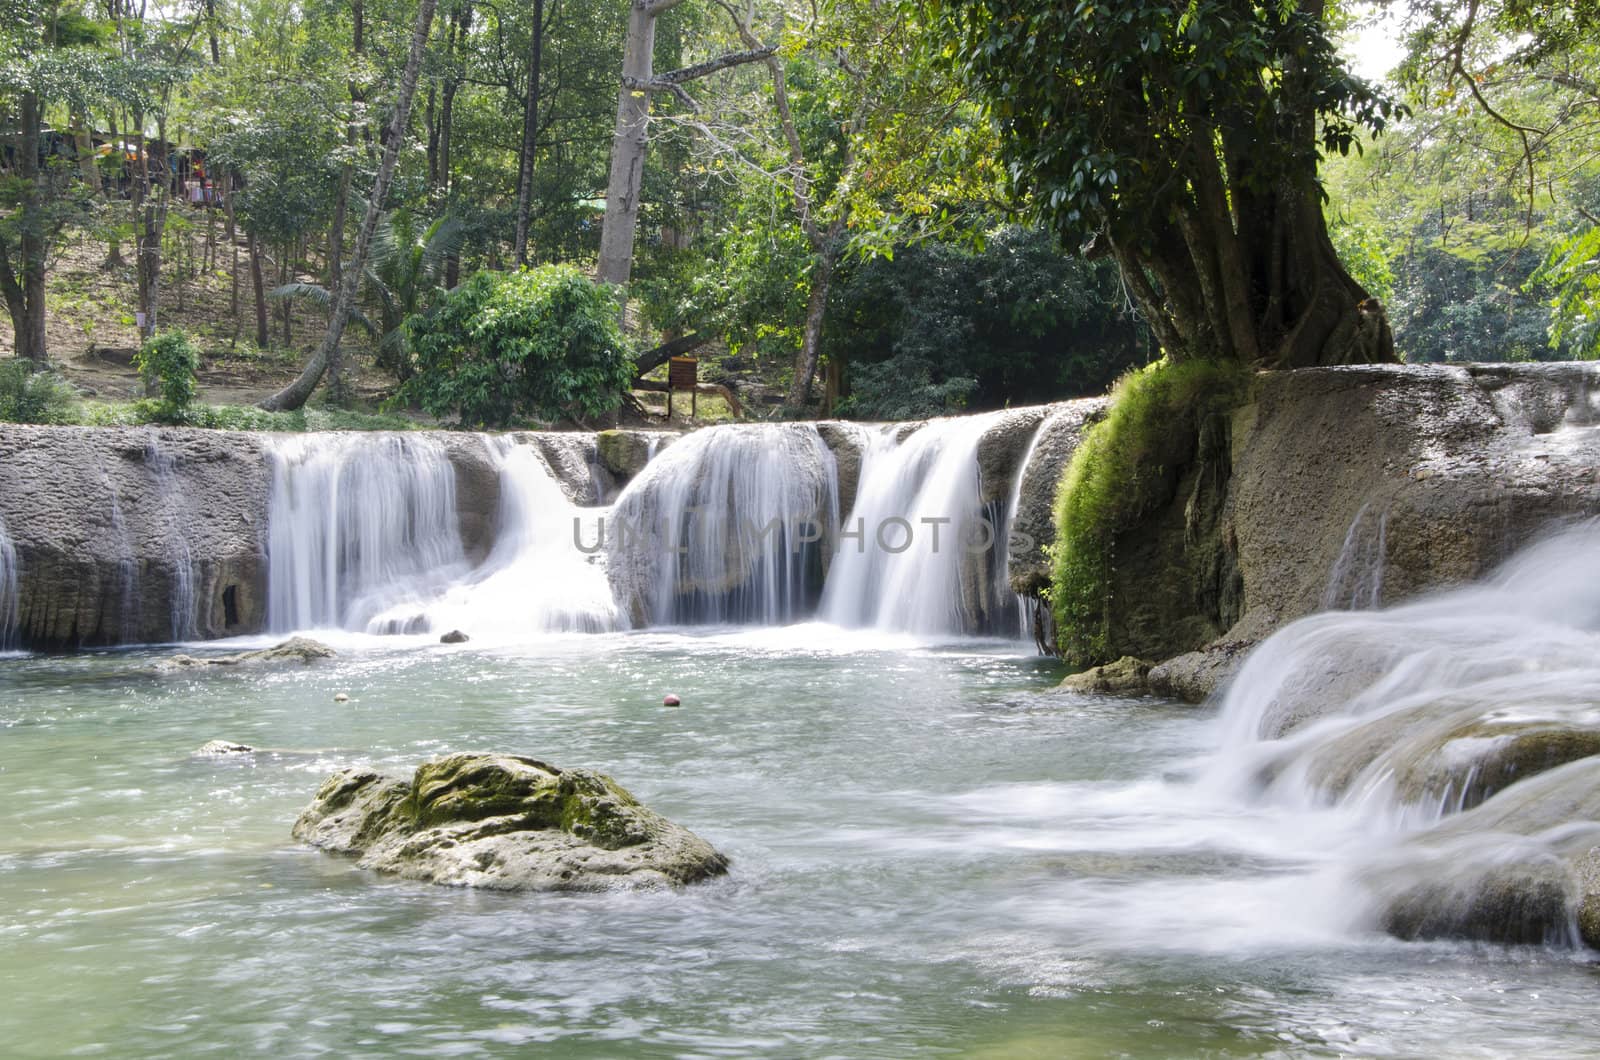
pixel 933 853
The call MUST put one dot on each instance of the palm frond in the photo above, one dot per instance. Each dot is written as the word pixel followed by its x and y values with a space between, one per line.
pixel 311 292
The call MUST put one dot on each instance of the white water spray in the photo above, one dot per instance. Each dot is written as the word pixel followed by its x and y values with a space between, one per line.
pixel 1356 581
pixel 10 574
pixel 915 553
pixel 175 517
pixel 726 527
pixel 537 579
pixel 359 526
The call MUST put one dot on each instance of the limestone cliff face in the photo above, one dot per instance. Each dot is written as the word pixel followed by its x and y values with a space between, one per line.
pixel 134 535
pixel 1363 486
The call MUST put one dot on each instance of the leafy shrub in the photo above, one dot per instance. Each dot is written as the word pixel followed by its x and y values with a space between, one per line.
pixel 1120 473
pixel 27 396
pixel 541 342
pixel 167 363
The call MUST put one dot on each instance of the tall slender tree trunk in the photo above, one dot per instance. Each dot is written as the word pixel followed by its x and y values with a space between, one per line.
pixel 530 133
pixel 805 364
pixel 259 283
pixel 628 143
pixel 336 368
pixel 211 32
pixel 295 394
pixel 151 200
pixel 33 243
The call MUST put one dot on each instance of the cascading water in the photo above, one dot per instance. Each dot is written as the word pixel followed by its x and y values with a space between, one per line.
pixel 9 577
pixel 1356 581
pixel 1429 725
pixel 359 526
pixel 179 555
pixel 917 552
pixel 726 527
pixel 539 578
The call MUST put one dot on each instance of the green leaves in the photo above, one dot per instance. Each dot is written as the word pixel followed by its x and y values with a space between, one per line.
pixel 1573 270
pixel 167 363
pixel 539 342
pixel 1101 123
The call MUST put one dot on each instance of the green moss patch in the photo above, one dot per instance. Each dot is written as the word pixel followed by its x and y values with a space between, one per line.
pixel 1125 470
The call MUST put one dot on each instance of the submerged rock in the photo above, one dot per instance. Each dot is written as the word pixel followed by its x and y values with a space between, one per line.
pixel 503 822
pixel 296 649
pixel 222 749
pixel 1523 867
pixel 1125 677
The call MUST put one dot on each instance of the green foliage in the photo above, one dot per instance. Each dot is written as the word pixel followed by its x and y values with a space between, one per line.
pixel 167 363
pixel 1573 270
pixel 1107 106
pixel 541 342
pixel 1120 473
pixel 942 327
pixel 27 396
pixel 1364 252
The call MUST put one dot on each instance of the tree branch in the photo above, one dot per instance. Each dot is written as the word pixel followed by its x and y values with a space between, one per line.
pixel 754 54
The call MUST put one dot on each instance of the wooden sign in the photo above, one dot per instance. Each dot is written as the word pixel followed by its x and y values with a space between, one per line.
pixel 683 373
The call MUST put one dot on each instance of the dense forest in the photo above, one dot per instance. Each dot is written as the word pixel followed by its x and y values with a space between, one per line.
pixel 503 213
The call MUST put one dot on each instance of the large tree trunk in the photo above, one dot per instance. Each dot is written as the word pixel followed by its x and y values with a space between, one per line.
pixel 530 132
pixel 295 394
pixel 628 143
pixel 1246 271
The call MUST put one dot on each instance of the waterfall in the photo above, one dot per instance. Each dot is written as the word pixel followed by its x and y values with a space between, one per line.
pixel 179 554
pixel 1461 731
pixel 538 578
pixel 128 586
pixel 917 553
pixel 9 578
pixel 727 526
pixel 359 526
pixel 1014 505
pixel 1356 581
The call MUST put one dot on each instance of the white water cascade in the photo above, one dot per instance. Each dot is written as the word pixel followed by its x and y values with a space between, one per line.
pixel 359 526
pixel 1356 581
pixel 175 516
pixel 917 554
pixel 726 527
pixel 1456 736
pixel 9 577
pixel 543 574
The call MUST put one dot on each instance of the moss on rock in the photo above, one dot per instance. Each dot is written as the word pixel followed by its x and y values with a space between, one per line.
pixel 1157 463
pixel 507 822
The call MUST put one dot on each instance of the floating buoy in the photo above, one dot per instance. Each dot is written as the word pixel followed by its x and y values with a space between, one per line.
pixel 340 697
pixel 671 700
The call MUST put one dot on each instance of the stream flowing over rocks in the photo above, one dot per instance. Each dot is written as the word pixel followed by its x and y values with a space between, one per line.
pixel 1293 572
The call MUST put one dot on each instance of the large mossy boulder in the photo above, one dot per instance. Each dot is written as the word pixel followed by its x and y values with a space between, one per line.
pixel 503 822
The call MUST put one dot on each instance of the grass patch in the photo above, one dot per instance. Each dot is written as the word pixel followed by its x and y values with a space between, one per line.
pixel 1123 471
pixel 233 418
